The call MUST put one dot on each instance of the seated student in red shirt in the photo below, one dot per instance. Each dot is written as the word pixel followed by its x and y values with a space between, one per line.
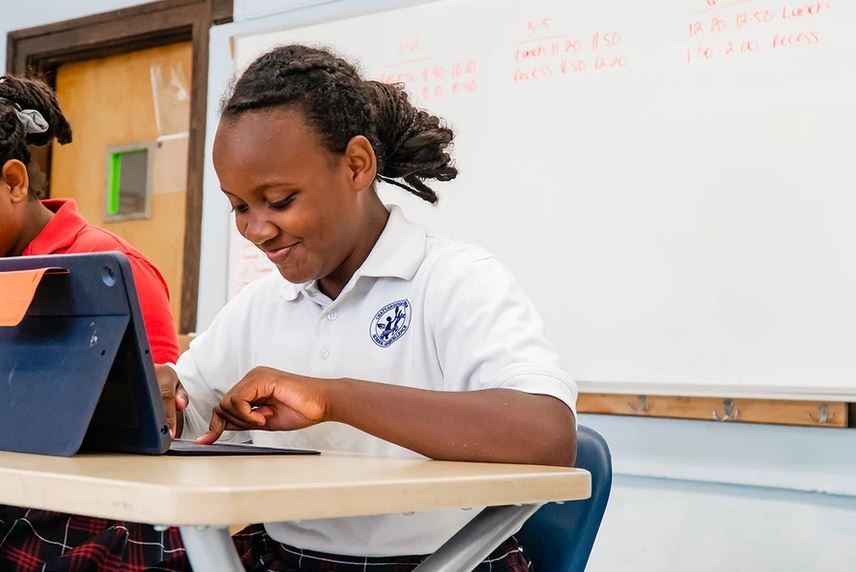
pixel 39 540
pixel 31 227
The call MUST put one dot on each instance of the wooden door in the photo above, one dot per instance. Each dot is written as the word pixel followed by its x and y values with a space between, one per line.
pixel 139 98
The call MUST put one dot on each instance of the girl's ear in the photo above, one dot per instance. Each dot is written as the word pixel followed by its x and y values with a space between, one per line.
pixel 14 175
pixel 361 162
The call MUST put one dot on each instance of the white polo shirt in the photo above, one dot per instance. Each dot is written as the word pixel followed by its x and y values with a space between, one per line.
pixel 422 312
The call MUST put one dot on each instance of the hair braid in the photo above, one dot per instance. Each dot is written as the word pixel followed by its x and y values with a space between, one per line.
pixel 410 144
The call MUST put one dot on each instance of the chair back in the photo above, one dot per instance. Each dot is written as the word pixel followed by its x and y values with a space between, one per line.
pixel 560 537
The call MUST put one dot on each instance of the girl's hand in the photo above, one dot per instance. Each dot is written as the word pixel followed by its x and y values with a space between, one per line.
pixel 272 400
pixel 173 396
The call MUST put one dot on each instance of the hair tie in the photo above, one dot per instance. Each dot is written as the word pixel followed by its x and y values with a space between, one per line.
pixel 34 122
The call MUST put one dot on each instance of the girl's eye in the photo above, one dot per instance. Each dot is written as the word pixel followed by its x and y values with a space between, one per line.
pixel 241 208
pixel 280 205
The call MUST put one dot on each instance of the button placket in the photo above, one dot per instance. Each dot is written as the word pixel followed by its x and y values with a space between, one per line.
pixel 326 319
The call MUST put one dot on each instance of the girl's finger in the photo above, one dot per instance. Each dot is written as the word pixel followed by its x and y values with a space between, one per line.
pixel 215 429
pixel 235 421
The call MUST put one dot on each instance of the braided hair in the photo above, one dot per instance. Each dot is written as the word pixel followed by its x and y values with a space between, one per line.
pixel 17 93
pixel 410 144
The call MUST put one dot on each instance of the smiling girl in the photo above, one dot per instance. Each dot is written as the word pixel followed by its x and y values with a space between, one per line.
pixel 374 337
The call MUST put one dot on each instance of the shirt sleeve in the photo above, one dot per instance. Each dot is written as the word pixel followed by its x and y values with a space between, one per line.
pixel 489 334
pixel 154 305
pixel 202 398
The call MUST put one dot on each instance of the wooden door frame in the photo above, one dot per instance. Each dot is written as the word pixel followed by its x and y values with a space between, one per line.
pixel 45 48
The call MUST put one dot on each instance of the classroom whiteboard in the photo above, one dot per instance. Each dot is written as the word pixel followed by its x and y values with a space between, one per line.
pixel 672 182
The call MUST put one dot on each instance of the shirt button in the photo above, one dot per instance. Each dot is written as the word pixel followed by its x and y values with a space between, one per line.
pixel 331 316
pixel 325 353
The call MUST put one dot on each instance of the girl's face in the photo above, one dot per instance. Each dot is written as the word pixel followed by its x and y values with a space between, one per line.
pixel 305 207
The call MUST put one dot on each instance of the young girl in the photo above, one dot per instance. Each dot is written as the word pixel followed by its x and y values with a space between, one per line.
pixel 374 337
pixel 33 539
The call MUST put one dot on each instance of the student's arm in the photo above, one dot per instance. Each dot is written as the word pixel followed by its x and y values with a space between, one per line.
pixel 192 386
pixel 174 398
pixel 506 397
pixel 183 414
pixel 493 425
pixel 154 305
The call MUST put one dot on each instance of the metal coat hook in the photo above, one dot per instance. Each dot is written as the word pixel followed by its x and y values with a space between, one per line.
pixel 641 405
pixel 731 412
pixel 824 414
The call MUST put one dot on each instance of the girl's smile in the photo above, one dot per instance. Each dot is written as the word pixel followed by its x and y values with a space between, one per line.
pixel 278 255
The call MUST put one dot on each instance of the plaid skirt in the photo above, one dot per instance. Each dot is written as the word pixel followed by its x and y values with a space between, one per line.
pixel 40 541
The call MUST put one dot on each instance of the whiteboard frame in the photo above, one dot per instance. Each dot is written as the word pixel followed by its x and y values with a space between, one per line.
pixel 719 391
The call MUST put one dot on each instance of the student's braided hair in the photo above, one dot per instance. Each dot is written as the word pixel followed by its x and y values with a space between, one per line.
pixel 410 144
pixel 16 94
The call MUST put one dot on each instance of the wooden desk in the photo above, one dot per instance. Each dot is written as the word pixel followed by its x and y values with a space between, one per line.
pixel 203 495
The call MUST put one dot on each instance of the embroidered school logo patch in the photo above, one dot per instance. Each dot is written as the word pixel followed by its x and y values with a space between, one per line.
pixel 390 323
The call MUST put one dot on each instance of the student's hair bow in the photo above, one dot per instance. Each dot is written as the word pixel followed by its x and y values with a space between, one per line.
pixel 34 122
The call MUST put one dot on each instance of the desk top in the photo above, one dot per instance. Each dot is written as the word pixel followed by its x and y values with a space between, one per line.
pixel 223 490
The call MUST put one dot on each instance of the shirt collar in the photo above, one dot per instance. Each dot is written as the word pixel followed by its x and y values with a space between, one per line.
pixel 61 230
pixel 398 253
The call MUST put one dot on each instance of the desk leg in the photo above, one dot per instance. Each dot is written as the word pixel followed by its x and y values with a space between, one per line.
pixel 210 549
pixel 478 538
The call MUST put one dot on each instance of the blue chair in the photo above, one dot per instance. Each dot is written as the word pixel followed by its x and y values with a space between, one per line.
pixel 559 537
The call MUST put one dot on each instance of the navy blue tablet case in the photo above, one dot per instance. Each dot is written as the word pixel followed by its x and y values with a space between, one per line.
pixel 69 371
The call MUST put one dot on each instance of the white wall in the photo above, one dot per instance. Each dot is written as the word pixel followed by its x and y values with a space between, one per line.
pixel 699 496
pixel 657 525
pixel 248 9
pixel 40 12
